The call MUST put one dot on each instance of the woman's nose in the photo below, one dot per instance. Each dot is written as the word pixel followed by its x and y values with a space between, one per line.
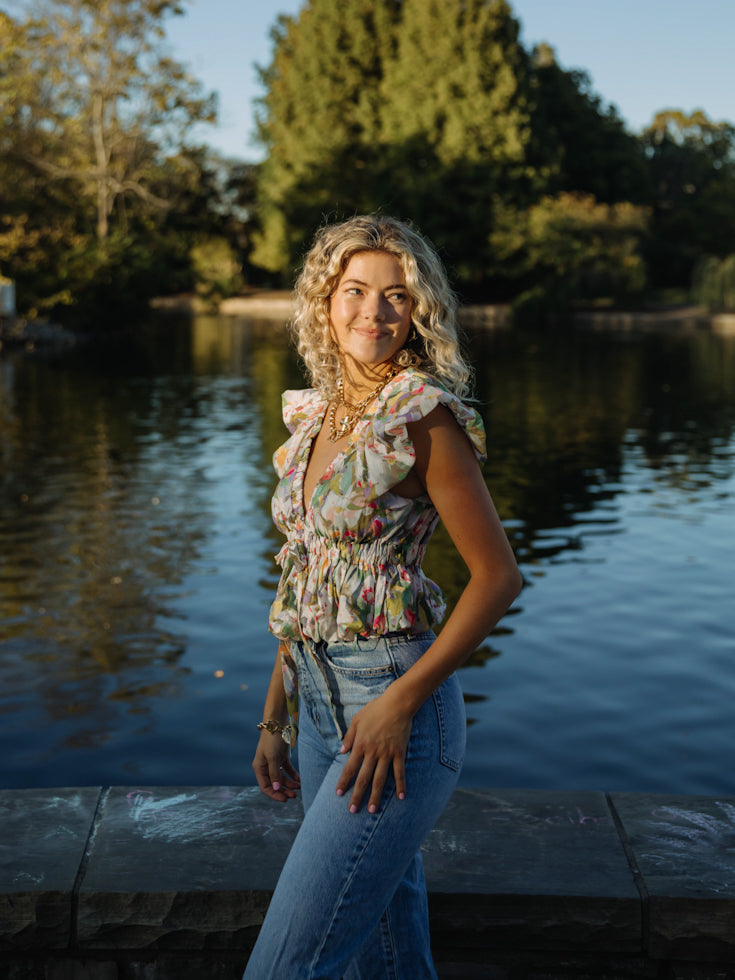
pixel 374 308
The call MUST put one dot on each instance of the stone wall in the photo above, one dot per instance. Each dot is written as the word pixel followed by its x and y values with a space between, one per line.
pixel 157 883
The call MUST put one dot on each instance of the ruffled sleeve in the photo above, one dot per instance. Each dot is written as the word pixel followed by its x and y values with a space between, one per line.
pixel 301 405
pixel 302 411
pixel 389 451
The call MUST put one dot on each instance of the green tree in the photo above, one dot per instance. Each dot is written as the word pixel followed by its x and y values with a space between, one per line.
pixel 570 247
pixel 692 165
pixel 100 193
pixel 459 82
pixel 96 101
pixel 319 120
pixel 457 119
pixel 420 108
pixel 583 142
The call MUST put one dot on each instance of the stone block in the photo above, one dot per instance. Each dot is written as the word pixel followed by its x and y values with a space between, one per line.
pixel 44 836
pixel 183 868
pixel 530 869
pixel 684 847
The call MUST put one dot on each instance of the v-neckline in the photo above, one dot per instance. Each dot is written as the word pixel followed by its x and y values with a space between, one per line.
pixel 302 505
pixel 301 501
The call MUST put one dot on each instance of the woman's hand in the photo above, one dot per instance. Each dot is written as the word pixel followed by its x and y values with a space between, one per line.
pixel 377 741
pixel 276 775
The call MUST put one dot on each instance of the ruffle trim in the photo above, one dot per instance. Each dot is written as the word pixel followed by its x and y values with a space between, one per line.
pixel 389 454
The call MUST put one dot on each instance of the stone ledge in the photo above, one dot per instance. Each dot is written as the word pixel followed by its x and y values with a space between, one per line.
pixel 153 875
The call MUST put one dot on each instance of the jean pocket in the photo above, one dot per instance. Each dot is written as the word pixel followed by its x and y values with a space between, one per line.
pixel 452 722
pixel 360 659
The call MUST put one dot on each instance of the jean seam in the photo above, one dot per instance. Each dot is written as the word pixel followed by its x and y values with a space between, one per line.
pixel 360 850
pixel 444 757
pixel 389 946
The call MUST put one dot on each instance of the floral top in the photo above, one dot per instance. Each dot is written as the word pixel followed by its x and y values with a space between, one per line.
pixel 352 563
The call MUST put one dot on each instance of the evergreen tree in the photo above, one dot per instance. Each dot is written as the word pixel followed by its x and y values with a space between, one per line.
pixel 459 82
pixel 320 120
pixel 456 114
pixel 419 108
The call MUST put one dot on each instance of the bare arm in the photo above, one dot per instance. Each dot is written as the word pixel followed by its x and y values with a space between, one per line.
pixel 446 466
pixel 274 772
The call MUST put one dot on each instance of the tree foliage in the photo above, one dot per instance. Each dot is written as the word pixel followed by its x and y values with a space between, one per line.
pixel 320 119
pixel 456 121
pixel 96 103
pixel 570 247
pixel 431 110
pixel 392 106
pixel 692 167
pixel 100 191
pixel 583 141
pixel 714 283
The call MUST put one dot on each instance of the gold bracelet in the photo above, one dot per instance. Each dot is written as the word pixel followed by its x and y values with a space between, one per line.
pixel 276 728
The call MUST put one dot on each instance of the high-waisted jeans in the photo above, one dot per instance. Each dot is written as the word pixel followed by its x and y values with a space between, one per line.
pixel 351 899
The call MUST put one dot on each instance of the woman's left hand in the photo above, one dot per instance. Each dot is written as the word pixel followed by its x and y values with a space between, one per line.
pixel 377 740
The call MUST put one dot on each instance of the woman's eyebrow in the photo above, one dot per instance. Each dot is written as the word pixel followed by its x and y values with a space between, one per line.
pixel 359 282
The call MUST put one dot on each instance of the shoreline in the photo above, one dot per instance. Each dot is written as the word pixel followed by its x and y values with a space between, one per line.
pixel 17 333
pixel 278 304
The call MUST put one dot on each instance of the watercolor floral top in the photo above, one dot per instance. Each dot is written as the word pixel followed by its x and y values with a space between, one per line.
pixel 352 563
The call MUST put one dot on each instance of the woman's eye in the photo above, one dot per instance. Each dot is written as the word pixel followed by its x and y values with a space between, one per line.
pixel 399 297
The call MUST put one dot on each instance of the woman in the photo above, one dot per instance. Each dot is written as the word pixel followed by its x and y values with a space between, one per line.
pixel 381 448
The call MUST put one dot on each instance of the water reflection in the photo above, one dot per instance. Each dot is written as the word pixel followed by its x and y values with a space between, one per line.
pixel 136 543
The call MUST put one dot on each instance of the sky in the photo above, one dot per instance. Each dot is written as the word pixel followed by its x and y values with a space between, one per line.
pixel 642 55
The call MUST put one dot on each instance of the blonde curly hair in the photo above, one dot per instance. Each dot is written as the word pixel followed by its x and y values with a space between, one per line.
pixel 435 346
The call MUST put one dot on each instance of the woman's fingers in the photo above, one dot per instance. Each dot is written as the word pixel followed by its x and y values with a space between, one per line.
pixel 380 774
pixel 362 784
pixel 291 772
pixel 369 776
pixel 349 772
pixel 399 774
pixel 376 742
pixel 275 773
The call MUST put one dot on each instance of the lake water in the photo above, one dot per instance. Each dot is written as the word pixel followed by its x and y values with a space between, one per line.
pixel 136 559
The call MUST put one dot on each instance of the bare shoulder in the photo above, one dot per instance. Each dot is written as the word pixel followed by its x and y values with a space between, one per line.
pixel 438 424
pixel 440 443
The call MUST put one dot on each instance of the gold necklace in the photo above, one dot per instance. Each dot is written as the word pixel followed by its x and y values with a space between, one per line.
pixel 353 413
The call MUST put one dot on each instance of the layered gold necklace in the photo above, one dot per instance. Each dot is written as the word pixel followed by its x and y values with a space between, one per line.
pixel 353 413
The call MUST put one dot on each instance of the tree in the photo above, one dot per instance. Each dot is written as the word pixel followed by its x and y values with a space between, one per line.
pixel 95 103
pixel 692 165
pixel 419 107
pixel 570 247
pixel 456 117
pixel 100 193
pixel 582 141
pixel 319 120
pixel 457 81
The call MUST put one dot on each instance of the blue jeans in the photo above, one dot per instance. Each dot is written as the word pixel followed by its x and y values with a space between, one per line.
pixel 351 900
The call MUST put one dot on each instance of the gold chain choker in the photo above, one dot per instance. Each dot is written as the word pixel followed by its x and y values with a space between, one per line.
pixel 353 413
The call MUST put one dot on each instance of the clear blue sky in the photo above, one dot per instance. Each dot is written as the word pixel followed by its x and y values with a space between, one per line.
pixel 642 55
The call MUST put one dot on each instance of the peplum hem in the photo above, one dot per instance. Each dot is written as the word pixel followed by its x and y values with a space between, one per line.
pixel 342 589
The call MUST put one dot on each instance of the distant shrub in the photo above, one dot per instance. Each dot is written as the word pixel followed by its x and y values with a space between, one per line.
pixel 592 247
pixel 713 283
pixel 217 273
